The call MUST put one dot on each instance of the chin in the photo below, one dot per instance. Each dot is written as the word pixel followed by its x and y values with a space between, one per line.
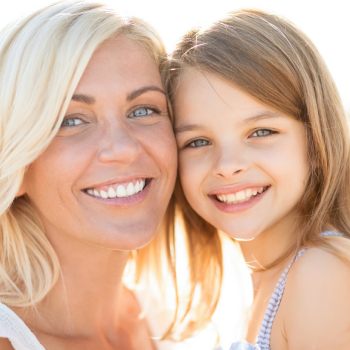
pixel 128 238
pixel 242 234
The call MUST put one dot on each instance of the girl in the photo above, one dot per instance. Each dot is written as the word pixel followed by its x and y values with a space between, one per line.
pixel 264 156
pixel 87 169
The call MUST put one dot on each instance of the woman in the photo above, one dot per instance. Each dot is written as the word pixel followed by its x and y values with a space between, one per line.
pixel 88 165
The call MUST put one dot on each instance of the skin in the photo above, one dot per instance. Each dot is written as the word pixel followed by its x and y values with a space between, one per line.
pixel 89 308
pixel 227 142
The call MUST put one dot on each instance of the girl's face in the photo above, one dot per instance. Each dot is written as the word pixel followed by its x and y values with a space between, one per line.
pixel 107 176
pixel 243 165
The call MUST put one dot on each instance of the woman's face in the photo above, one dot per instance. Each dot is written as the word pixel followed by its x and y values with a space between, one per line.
pixel 243 165
pixel 107 176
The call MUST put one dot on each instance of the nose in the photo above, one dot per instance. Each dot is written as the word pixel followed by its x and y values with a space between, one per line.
pixel 230 160
pixel 119 145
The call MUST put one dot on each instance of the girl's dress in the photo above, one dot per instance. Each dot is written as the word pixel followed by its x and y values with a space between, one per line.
pixel 263 339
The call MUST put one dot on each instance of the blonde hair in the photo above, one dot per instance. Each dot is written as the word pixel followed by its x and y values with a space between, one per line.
pixel 42 58
pixel 270 59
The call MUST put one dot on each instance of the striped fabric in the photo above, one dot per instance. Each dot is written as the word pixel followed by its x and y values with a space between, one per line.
pixel 263 339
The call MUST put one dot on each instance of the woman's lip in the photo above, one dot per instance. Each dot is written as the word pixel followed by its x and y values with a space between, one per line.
pixel 118 181
pixel 124 201
pixel 234 208
pixel 236 188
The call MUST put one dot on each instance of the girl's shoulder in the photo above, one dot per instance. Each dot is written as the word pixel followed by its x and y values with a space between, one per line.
pixel 316 302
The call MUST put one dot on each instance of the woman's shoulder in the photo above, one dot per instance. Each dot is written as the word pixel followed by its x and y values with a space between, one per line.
pixel 316 303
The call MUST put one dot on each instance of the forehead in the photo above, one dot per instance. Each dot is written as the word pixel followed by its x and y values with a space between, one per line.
pixel 120 62
pixel 200 93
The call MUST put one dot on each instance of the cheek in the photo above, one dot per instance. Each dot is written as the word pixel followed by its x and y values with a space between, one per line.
pixel 57 168
pixel 192 175
pixel 288 168
pixel 159 142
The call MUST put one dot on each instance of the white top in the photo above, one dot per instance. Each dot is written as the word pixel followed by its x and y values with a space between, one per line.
pixel 13 328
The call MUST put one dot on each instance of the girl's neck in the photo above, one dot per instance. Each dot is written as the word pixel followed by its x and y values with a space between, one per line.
pixel 266 248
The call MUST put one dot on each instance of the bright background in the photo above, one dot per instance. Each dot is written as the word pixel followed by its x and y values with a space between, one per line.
pixel 325 22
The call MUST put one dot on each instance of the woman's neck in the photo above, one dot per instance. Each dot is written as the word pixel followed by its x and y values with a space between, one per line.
pixel 89 297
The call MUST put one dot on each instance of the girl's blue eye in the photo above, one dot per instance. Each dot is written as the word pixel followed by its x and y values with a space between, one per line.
pixel 199 143
pixel 141 112
pixel 71 122
pixel 262 133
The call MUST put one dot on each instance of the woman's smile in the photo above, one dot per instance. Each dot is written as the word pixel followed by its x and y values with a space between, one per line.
pixel 112 175
pixel 124 193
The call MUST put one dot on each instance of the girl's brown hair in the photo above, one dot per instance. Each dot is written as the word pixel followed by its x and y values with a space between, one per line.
pixel 270 59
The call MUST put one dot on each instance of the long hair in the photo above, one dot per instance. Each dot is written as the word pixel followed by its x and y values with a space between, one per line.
pixel 42 58
pixel 273 61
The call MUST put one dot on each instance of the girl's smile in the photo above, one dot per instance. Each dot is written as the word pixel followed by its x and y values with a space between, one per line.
pixel 238 159
pixel 231 201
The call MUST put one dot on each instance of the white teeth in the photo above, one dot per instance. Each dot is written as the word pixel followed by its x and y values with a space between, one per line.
pixel 111 193
pixel 231 197
pixel 240 196
pixel 121 191
pixel 104 194
pixel 130 190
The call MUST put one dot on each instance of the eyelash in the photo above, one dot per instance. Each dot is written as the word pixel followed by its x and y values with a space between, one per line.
pixel 193 142
pixel 270 132
pixel 68 119
pixel 151 109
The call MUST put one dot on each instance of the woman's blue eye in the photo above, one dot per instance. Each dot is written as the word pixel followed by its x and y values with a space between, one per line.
pixel 141 112
pixel 262 133
pixel 71 122
pixel 199 143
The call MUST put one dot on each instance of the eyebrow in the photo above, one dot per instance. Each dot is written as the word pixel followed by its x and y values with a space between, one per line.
pixel 143 90
pixel 194 127
pixel 188 127
pixel 264 115
pixel 90 100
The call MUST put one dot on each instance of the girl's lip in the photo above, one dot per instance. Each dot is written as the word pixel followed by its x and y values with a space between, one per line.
pixel 236 188
pixel 239 207
pixel 124 201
